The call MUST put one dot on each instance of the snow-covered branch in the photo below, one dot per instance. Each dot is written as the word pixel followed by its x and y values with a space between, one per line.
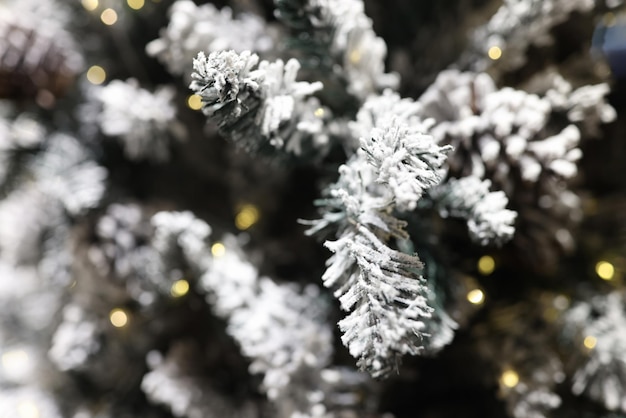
pixel 256 107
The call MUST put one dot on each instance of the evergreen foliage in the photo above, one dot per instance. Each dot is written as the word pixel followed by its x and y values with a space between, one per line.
pixel 465 228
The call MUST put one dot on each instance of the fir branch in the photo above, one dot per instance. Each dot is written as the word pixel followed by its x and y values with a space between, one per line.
pixel 600 372
pixel 13 399
pixel 381 287
pixel 204 28
pixel 37 214
pixel 143 122
pixel 406 160
pixel 280 327
pixel 256 107
pixel 385 294
pixel 517 25
pixel 523 143
pixel 76 339
pixel 183 231
pixel 59 183
pixel 67 172
pixel 586 106
pixel 337 37
pixel 469 198
pixel 355 198
pixel 174 382
pixel 379 110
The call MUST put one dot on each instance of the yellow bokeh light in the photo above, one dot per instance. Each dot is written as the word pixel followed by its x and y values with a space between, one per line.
pixel 96 75
pixel 27 410
pixel 118 318
pixel 108 17
pixel 509 378
pixel 494 53
pixel 90 5
pixel 605 270
pixel 135 4
pixel 218 249
pixel 355 56
pixel 194 102
pixel 180 288
pixel 14 360
pixel 11 358
pixel 476 296
pixel 247 216
pixel 486 265
pixel 590 342
pixel 319 112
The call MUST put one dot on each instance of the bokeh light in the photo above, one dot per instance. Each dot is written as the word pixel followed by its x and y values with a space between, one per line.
pixel 590 342
pixel 486 265
pixel 135 4
pixel 495 53
pixel 194 102
pixel 108 17
pixel 118 318
pixel 96 75
pixel 90 5
pixel 247 216
pixel 180 288
pixel 476 296
pixel 605 270
pixel 218 249
pixel 509 378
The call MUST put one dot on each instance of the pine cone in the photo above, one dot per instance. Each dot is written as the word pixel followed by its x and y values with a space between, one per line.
pixel 35 63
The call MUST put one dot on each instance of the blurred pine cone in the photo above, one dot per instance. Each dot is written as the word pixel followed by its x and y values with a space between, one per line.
pixel 35 62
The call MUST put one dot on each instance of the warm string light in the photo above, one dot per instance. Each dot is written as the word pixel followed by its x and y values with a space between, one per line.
pixel 15 363
pixel 486 265
pixel 509 378
pixel 108 16
pixel 355 56
pixel 605 270
pixel 135 4
pixel 218 250
pixel 179 288
pixel 590 342
pixel 247 216
pixel 319 112
pixel 14 357
pixel 118 318
pixel 476 296
pixel 194 102
pixel 27 409
pixel 96 75
pixel 495 53
pixel 90 5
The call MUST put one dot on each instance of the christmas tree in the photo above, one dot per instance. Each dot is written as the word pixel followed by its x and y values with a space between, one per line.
pixel 312 208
